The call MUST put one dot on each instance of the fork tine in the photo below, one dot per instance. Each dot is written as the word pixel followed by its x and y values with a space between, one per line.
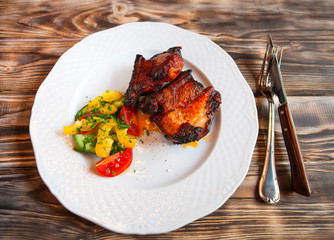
pixel 269 62
pixel 279 55
pixel 271 52
pixel 264 65
pixel 270 41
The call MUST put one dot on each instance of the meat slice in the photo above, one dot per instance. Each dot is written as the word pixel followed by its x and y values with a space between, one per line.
pixel 149 75
pixel 178 94
pixel 192 122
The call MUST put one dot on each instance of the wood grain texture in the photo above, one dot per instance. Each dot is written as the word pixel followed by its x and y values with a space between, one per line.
pixel 35 33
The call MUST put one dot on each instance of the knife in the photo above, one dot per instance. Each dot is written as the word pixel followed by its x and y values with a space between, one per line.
pixel 299 179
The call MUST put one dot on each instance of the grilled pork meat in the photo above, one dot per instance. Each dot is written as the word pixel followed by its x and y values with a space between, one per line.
pixel 178 94
pixel 192 122
pixel 149 75
pixel 180 106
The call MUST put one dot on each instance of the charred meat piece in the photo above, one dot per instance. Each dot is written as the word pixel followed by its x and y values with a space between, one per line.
pixel 178 94
pixel 149 75
pixel 190 123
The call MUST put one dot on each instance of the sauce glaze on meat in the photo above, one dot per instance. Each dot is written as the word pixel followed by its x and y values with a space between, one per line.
pixel 179 105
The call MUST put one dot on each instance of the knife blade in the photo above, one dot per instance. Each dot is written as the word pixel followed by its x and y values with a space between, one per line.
pixel 299 178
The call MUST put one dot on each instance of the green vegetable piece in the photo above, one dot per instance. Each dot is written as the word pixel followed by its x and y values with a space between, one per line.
pixel 81 112
pixel 119 102
pixel 85 143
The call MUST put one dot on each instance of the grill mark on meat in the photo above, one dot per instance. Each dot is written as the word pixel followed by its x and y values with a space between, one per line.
pixel 179 105
pixel 179 93
pixel 191 123
pixel 150 75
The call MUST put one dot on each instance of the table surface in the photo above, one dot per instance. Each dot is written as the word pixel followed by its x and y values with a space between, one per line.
pixel 34 34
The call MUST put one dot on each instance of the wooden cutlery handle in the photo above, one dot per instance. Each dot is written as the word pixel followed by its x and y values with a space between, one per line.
pixel 298 172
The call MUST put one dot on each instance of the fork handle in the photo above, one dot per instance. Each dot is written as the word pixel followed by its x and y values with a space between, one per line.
pixel 268 186
pixel 298 172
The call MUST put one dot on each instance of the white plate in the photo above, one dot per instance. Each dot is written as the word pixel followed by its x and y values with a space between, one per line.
pixel 167 186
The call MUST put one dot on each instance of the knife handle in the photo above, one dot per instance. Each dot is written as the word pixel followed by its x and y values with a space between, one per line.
pixel 298 172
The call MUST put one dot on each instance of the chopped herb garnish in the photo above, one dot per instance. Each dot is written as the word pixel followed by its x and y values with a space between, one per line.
pixel 121 124
pixel 116 147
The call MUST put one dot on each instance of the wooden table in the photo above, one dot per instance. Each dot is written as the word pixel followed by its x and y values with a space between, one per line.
pixel 34 34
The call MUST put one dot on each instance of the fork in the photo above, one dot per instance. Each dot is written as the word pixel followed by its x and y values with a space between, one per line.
pixel 268 186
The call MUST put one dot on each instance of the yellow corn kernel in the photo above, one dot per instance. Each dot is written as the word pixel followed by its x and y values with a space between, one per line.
pixel 104 141
pixel 125 139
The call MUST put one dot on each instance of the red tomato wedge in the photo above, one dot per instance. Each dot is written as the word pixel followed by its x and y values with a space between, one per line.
pixel 115 164
pixel 130 116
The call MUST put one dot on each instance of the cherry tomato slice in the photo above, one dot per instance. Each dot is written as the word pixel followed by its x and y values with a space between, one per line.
pixel 130 116
pixel 115 164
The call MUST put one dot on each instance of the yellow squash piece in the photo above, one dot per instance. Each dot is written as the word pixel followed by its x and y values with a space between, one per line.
pixel 80 126
pixel 108 96
pixel 107 108
pixel 125 139
pixel 104 141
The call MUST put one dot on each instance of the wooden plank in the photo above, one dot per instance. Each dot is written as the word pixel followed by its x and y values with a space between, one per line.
pixel 25 64
pixel 287 218
pixel 71 19
pixel 307 56
pixel 34 34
